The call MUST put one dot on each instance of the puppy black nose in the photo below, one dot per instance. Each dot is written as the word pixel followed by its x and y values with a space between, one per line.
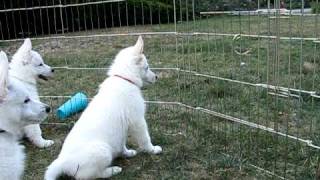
pixel 52 70
pixel 156 77
pixel 48 109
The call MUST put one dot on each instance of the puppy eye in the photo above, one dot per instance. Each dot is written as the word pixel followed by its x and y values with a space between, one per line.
pixel 41 64
pixel 27 100
pixel 146 68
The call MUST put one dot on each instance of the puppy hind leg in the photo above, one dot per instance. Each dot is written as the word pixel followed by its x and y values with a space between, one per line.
pixel 106 173
pixel 95 163
pixel 33 133
pixel 110 171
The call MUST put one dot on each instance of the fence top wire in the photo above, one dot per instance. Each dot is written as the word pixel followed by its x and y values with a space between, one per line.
pixel 315 40
pixel 59 6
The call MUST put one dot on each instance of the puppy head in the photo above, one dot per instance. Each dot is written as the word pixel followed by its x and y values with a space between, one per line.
pixel 19 108
pixel 31 62
pixel 42 70
pixel 15 104
pixel 135 64
pixel 141 62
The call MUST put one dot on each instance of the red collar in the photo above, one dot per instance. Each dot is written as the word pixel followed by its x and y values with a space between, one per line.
pixel 130 81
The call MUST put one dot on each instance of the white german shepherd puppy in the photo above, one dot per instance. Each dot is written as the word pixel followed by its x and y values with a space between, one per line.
pixel 115 113
pixel 17 110
pixel 27 66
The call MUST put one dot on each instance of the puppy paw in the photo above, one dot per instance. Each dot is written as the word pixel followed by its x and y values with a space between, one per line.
pixel 116 170
pixel 129 153
pixel 156 150
pixel 44 143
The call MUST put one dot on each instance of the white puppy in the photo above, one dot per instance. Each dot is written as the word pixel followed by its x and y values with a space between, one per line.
pixel 17 110
pixel 115 113
pixel 27 66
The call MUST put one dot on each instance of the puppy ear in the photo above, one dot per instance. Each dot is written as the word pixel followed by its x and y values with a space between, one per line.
pixel 24 52
pixel 27 45
pixel 139 45
pixel 4 66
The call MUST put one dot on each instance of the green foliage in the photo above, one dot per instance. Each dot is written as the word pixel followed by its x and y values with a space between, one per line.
pixel 162 4
pixel 207 5
pixel 296 4
pixel 315 7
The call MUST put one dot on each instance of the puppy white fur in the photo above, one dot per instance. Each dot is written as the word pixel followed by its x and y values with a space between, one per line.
pixel 17 111
pixel 27 66
pixel 115 113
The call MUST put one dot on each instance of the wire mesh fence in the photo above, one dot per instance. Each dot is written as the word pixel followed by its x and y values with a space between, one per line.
pixel 238 95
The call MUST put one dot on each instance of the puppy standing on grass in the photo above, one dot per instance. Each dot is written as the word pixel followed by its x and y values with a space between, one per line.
pixel 17 110
pixel 118 110
pixel 27 66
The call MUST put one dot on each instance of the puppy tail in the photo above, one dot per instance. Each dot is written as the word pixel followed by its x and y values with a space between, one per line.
pixel 54 170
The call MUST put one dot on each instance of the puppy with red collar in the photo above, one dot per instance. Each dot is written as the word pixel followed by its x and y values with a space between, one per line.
pixel 116 112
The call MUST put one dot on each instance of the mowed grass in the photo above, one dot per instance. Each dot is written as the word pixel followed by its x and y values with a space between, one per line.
pixel 198 145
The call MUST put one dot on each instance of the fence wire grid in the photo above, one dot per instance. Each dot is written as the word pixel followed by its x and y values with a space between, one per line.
pixel 238 95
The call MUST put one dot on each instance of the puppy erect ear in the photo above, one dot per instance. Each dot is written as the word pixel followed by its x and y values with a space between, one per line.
pixel 139 45
pixel 24 52
pixel 3 75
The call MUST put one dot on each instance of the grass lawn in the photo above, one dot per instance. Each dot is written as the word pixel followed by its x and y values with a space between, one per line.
pixel 198 145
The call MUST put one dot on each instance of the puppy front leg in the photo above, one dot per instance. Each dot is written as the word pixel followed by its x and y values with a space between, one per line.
pixel 33 133
pixel 140 134
pixel 128 153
